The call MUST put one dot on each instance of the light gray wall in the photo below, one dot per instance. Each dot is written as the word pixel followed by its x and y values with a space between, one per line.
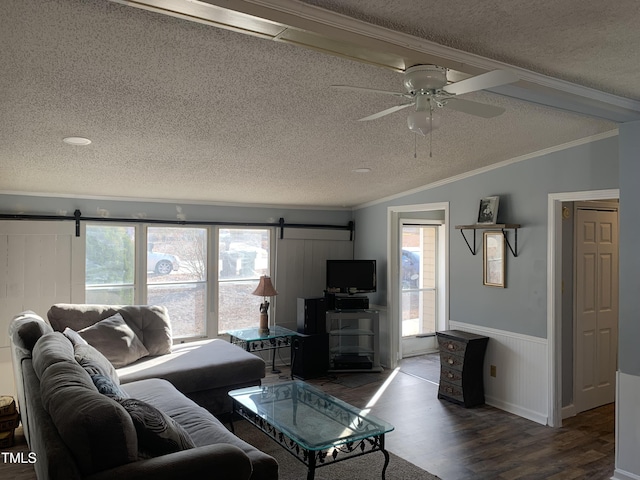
pixel 14 204
pixel 523 188
pixel 629 325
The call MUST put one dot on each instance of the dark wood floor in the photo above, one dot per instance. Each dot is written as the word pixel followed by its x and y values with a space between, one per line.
pixel 479 443
pixel 455 443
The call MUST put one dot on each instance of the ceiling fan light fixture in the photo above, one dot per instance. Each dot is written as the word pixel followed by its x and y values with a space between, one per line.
pixel 422 123
pixel 427 88
pixel 424 77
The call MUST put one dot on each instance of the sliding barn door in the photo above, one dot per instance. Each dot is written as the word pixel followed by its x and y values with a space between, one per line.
pixel 301 259
pixel 37 260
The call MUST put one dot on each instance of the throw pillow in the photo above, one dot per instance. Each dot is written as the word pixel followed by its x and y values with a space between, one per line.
pixel 94 362
pixel 108 387
pixel 74 337
pixel 115 340
pixel 158 433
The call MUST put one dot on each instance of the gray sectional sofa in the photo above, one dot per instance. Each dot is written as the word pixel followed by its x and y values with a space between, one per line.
pixel 204 370
pixel 86 419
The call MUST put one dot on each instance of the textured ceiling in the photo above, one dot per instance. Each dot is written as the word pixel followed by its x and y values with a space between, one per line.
pixel 180 110
pixel 591 43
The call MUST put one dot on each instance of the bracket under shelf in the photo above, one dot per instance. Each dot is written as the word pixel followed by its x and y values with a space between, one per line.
pixel 502 226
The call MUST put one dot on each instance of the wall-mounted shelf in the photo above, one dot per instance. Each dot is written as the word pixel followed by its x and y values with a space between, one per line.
pixel 493 226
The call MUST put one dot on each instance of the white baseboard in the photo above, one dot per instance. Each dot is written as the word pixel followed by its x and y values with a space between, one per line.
pixel 622 475
pixel 516 410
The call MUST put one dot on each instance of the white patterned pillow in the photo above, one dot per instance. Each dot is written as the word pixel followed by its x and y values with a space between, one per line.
pixel 158 433
pixel 74 337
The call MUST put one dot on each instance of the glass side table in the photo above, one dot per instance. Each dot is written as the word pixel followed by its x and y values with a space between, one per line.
pixel 252 341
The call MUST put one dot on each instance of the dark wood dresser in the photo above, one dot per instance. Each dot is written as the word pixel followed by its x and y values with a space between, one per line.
pixel 461 363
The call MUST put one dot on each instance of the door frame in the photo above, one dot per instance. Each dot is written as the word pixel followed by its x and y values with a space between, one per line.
pixel 554 293
pixel 393 287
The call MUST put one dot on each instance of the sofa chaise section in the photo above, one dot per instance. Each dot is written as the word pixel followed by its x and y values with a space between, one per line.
pixel 204 370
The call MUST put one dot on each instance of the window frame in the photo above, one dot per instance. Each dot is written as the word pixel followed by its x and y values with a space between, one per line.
pixel 215 323
pixel 135 286
pixel 142 253
pixel 140 287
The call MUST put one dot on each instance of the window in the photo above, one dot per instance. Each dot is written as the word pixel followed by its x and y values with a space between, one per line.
pixel 110 265
pixel 177 277
pixel 174 273
pixel 243 256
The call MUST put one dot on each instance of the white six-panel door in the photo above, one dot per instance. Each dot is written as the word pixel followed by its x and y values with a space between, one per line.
pixel 596 300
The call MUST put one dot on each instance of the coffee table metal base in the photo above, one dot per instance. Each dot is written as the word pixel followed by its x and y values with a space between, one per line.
pixel 314 459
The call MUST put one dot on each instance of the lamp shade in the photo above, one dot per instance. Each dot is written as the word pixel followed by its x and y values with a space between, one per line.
pixel 265 288
pixel 422 120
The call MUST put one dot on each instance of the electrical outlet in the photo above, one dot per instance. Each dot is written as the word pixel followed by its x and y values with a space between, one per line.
pixel 492 371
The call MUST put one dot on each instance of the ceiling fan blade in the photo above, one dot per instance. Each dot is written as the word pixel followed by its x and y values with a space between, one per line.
pixel 385 112
pixel 474 108
pixel 491 79
pixel 372 90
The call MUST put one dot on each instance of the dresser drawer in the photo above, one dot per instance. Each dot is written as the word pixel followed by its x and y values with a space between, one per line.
pixel 450 375
pixel 451 391
pixel 452 346
pixel 451 361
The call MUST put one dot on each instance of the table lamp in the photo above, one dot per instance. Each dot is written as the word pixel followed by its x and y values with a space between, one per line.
pixel 265 289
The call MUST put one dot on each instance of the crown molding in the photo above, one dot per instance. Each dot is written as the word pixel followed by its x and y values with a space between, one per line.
pixel 488 168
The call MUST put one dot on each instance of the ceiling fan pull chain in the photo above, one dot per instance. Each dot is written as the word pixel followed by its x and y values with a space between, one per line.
pixel 415 145
pixel 431 130
pixel 430 147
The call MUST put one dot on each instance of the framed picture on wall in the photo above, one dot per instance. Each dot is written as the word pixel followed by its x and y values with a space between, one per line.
pixel 493 259
pixel 488 212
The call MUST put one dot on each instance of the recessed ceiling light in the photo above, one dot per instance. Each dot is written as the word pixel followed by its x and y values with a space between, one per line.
pixel 76 141
pixel 361 170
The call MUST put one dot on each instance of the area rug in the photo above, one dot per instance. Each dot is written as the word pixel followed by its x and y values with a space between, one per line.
pixel 366 467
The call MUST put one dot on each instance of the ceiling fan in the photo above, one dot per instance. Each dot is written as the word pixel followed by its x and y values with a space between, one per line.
pixel 426 88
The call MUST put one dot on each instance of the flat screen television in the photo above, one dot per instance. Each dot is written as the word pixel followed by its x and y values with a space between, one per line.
pixel 351 276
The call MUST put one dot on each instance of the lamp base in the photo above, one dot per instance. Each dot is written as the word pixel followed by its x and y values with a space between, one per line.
pixel 264 324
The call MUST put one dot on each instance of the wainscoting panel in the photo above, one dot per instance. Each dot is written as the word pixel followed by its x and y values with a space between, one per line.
pixel 627 427
pixel 520 385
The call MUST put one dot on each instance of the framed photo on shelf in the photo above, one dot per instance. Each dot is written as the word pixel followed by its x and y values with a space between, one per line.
pixel 493 259
pixel 488 212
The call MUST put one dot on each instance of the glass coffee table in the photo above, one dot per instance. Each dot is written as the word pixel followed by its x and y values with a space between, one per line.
pixel 315 427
